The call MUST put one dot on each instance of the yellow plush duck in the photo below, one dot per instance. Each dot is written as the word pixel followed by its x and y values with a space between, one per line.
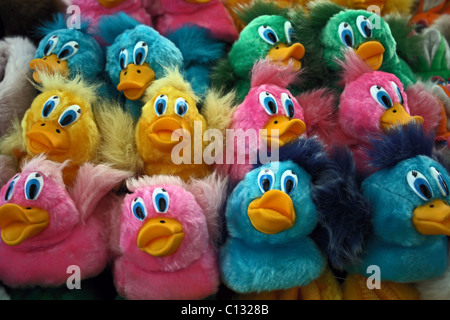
pixel 165 131
pixel 60 123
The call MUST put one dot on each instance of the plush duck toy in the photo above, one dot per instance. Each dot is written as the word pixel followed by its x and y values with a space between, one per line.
pixel 328 28
pixel 409 198
pixel 16 92
pixel 166 240
pixel 168 127
pixel 60 123
pixel 272 249
pixel 47 227
pixel 385 104
pixel 269 117
pixel 268 34
pixel 68 52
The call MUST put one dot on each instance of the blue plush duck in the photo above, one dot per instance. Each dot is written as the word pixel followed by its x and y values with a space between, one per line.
pixel 138 54
pixel 273 217
pixel 409 196
pixel 68 51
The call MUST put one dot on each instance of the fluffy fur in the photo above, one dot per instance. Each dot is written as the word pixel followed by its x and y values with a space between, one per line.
pixel 7 169
pixel 191 271
pixel 16 92
pixel 68 239
pixel 266 72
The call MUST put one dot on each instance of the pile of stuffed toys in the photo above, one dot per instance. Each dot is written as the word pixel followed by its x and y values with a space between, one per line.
pixel 188 150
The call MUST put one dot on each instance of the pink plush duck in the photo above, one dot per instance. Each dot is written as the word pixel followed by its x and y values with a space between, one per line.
pixel 45 228
pixel 269 115
pixel 166 239
pixel 372 102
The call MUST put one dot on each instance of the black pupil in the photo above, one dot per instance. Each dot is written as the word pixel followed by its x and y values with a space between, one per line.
pixel 8 191
pixel 139 58
pixel 266 184
pixel 272 37
pixel 348 40
pixel 32 191
pixel 291 110
pixel 445 186
pixel 181 109
pixel 289 186
pixel 47 109
pixel 140 213
pixel 160 107
pixel 66 120
pixel 64 53
pixel 162 204
pixel 367 31
pixel 271 106
pixel 122 63
pixel 386 101
pixel 425 191
pixel 47 48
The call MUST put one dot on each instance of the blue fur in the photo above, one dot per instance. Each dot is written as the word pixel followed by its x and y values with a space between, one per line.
pixel 200 50
pixel 398 144
pixel 59 22
pixel 402 253
pixel 89 61
pixel 112 26
pixel 343 211
pixel 254 261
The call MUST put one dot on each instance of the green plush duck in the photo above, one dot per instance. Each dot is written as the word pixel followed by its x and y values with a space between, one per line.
pixel 328 30
pixel 268 34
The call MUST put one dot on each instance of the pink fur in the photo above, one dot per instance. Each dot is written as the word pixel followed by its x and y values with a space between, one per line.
pixel 43 259
pixel 353 67
pixel 267 72
pixel 423 103
pixel 212 15
pixel 190 272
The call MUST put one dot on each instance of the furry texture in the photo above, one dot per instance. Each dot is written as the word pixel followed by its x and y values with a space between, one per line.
pixel 435 288
pixel 218 108
pixel 266 72
pixel 191 271
pixel 7 169
pixel 404 254
pixel 16 92
pixel 117 143
pixel 88 61
pixel 68 239
pixel 156 154
pixel 250 116
pixel 178 13
pixel 442 24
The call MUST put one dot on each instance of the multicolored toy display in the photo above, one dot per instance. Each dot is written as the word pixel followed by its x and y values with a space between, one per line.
pixel 225 149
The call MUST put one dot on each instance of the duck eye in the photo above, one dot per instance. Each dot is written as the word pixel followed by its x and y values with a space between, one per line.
pixel 140 52
pixel 50 45
pixel 10 190
pixel 181 107
pixel 268 102
pixel 161 200
pixel 438 80
pixel 123 58
pixel 268 35
pixel 289 182
pixel 161 104
pixel 419 184
pixel 70 115
pixel 288 105
pixel 266 179
pixel 380 95
pixel 138 208
pixel 289 32
pixel 399 93
pixel 49 105
pixel 364 26
pixel 346 34
pixel 68 50
pixel 443 187
pixel 33 186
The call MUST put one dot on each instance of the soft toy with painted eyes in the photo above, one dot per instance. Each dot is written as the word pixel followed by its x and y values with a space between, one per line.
pixel 47 226
pixel 166 239
pixel 69 52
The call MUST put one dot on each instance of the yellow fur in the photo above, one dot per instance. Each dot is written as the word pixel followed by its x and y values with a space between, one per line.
pixel 156 160
pixel 218 110
pixel 117 146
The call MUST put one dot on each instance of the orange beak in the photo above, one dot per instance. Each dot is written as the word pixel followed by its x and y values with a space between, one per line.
pixel 47 137
pixel 134 79
pixel 371 53
pixel 49 64
pixel 285 55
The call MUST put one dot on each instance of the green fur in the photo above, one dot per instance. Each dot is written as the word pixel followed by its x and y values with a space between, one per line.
pixel 259 8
